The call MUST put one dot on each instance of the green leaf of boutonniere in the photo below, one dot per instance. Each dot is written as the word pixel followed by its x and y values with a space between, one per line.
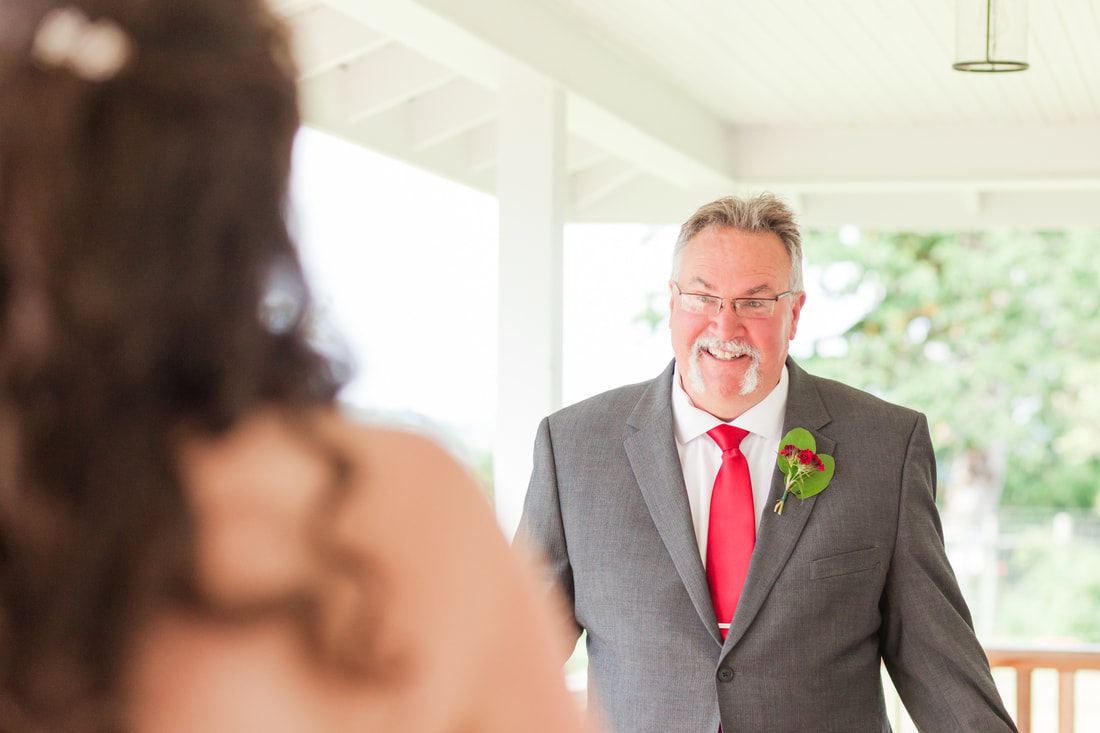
pixel 807 472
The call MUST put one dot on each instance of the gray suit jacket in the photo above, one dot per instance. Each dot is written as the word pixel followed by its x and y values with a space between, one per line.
pixel 838 583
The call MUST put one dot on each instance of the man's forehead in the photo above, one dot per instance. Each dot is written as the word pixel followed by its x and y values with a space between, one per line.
pixel 710 260
pixel 736 235
pixel 699 280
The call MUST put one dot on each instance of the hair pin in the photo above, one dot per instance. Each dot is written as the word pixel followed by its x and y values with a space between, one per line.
pixel 94 51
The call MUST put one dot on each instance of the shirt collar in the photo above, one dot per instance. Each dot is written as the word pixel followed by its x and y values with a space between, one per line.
pixel 765 418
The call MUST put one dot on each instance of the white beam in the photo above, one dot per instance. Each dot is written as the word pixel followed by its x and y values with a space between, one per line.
pixel 621 105
pixel 581 154
pixel 647 199
pixel 932 208
pixel 388 131
pixel 898 205
pixel 973 201
pixel 424 30
pixel 323 39
pixel 449 110
pixel 531 191
pixel 917 154
pixel 600 180
pixel 289 7
pixel 481 147
pixel 393 75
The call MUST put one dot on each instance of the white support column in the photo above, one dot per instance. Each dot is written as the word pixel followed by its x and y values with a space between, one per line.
pixel 531 190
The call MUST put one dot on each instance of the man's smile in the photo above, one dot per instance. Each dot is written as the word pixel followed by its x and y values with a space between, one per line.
pixel 723 354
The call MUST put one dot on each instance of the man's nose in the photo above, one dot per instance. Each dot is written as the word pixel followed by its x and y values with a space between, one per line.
pixel 728 321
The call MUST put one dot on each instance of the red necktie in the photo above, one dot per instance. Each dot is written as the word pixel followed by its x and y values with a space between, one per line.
pixel 732 529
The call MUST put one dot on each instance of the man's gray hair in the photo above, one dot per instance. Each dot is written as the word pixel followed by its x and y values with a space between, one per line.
pixel 760 214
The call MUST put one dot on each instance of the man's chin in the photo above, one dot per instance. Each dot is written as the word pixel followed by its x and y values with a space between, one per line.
pixel 725 379
pixel 729 391
pixel 715 391
pixel 725 407
pixel 724 392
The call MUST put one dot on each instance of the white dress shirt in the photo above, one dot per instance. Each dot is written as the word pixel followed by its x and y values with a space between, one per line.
pixel 700 456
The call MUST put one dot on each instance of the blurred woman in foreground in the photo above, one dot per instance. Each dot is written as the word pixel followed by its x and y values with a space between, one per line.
pixel 192 538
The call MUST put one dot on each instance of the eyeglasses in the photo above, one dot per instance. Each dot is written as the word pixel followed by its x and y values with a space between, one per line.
pixel 701 304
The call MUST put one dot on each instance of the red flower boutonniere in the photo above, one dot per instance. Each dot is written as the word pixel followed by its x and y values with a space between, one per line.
pixel 807 472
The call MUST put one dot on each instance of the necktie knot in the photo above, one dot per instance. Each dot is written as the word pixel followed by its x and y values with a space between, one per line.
pixel 727 437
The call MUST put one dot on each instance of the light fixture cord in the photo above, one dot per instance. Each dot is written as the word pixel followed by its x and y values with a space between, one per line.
pixel 988 23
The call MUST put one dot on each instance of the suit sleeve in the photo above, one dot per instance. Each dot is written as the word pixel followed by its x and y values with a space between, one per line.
pixel 927 639
pixel 542 530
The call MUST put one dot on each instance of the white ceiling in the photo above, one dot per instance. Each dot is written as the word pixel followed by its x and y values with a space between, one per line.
pixel 849 108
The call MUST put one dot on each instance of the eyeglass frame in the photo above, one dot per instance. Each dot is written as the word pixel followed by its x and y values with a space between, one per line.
pixel 722 302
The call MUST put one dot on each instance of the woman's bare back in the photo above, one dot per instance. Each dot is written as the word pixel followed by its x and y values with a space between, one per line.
pixel 463 642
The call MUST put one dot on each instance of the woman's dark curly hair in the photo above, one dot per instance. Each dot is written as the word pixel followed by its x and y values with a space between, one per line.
pixel 147 285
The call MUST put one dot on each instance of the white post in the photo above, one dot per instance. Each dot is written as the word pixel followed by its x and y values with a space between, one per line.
pixel 531 191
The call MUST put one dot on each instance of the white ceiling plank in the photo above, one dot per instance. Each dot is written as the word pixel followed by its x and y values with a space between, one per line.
pixel 925 53
pixel 1085 26
pixel 323 39
pixel 824 101
pixel 754 34
pixel 863 91
pixel 475 36
pixel 704 49
pixel 290 7
pixel 1081 58
pixel 391 76
pixel 647 199
pixel 1046 80
pixel 883 62
pixel 529 31
pixel 388 132
pixel 481 147
pixel 626 141
pixel 598 181
pixel 449 111
pixel 448 159
pixel 430 34
pixel 580 154
pixel 321 101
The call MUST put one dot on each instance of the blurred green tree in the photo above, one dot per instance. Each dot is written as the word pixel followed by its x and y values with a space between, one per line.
pixel 1053 589
pixel 996 337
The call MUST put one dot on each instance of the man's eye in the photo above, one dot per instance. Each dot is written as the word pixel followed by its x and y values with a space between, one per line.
pixel 750 304
pixel 706 299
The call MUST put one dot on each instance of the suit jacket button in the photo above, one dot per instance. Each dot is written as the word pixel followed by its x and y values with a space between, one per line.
pixel 725 674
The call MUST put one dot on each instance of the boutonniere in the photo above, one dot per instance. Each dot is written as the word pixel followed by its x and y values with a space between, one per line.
pixel 807 472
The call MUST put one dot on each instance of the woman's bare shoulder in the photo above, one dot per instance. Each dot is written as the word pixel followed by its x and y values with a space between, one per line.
pixel 399 467
pixel 437 560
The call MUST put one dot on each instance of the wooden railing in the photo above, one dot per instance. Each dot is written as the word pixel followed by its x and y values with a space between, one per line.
pixel 1026 659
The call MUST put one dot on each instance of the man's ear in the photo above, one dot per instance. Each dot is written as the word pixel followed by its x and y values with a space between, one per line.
pixel 796 311
pixel 671 301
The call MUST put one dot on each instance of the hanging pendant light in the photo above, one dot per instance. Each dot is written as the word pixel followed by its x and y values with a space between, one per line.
pixel 990 35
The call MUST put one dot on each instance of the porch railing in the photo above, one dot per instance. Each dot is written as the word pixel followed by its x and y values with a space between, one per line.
pixel 1067 661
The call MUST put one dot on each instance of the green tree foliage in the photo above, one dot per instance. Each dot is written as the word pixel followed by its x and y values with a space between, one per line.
pixel 994 335
pixel 1052 591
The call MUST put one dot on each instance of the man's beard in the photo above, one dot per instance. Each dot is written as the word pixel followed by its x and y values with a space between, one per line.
pixel 710 343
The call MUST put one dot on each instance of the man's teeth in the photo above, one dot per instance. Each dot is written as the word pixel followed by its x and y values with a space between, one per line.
pixel 724 355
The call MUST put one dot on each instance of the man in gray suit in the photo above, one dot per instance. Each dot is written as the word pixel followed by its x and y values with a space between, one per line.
pixel 837 584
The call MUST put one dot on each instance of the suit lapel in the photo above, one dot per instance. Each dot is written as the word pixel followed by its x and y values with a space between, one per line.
pixel 777 534
pixel 650 445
